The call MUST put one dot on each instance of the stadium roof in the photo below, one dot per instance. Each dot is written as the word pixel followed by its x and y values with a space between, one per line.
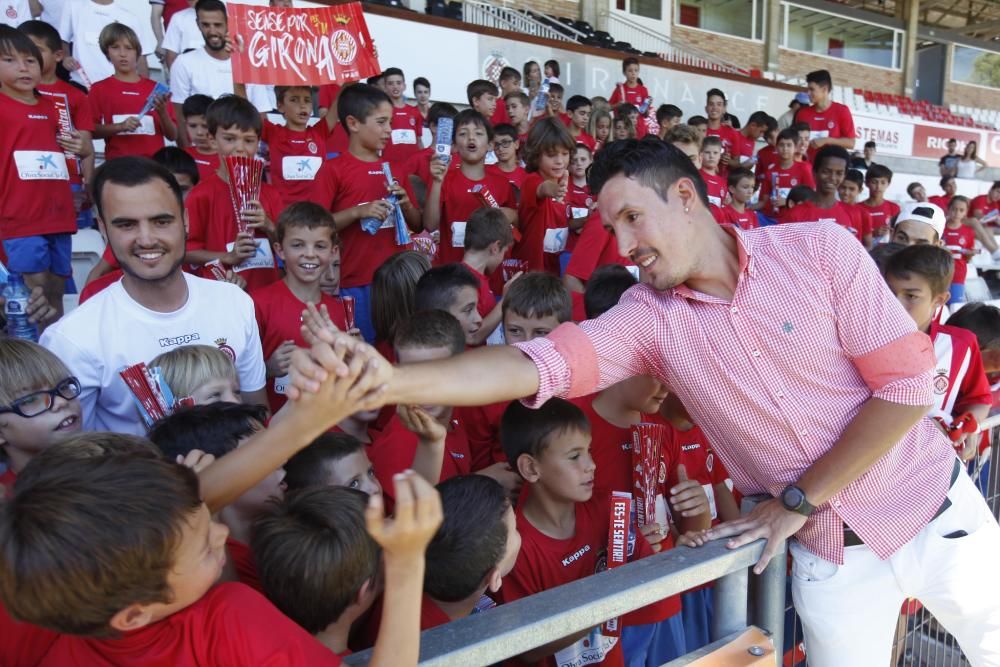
pixel 947 19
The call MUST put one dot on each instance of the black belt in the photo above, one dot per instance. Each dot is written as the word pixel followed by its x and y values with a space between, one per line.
pixel 852 539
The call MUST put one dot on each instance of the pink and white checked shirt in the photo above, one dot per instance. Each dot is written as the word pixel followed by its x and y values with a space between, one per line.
pixel 775 375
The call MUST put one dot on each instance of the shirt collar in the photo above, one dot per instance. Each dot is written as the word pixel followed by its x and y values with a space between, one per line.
pixel 744 249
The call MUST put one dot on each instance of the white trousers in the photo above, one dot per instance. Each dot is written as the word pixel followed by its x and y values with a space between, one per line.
pixel 849 612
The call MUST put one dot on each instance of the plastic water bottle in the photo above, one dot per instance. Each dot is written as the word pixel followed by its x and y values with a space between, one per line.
pixel 16 309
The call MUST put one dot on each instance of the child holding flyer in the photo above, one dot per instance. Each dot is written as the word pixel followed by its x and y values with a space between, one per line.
pixel 121 102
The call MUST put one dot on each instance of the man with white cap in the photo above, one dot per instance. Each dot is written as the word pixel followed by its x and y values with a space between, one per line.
pixel 919 222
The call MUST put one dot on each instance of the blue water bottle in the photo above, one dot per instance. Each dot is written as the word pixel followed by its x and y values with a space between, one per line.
pixel 16 309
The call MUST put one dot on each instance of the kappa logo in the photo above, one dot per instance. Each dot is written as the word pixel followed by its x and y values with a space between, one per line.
pixel 688 448
pixel 572 558
pixel 179 340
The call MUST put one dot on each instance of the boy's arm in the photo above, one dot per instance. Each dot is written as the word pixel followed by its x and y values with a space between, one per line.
pixel 338 396
pixel 432 207
pixel 490 323
pixel 156 22
pixel 429 455
pixel 404 540
pixel 725 502
pixel 574 284
pixel 166 122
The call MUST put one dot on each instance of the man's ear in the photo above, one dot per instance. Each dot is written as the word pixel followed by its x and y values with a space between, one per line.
pixel 132 617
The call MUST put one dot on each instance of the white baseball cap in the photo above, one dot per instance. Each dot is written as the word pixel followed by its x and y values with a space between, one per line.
pixel 925 212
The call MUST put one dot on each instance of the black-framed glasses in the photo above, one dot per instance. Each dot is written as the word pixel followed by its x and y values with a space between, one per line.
pixel 39 402
pixel 504 144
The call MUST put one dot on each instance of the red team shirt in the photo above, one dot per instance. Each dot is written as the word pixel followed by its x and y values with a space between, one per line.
pixel 955 241
pixel 988 210
pixel 543 228
pixel 578 201
pixel 516 178
pixel 717 188
pixel 839 213
pixel 487 299
pixel 407 126
pixel 112 101
pixel 296 158
pixel 279 318
pixel 732 143
pixel 458 203
pixel 35 196
pixel 482 426
pixel 212 223
pixel 745 219
pixel 836 122
pixel 595 247
pixel 337 140
pixel 634 96
pixel 881 215
pixel 208 163
pixel 941 201
pixel 347 181
pixel 232 624
pixel 781 180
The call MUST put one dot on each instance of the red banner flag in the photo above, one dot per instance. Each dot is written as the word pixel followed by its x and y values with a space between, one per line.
pixel 301 47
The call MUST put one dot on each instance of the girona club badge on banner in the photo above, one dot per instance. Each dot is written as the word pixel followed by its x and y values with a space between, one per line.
pixel 294 47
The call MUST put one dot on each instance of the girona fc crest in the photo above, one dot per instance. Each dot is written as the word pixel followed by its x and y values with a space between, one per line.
pixel 11 12
pixel 313 148
pixel 941 383
pixel 344 47
pixel 222 345
pixel 492 66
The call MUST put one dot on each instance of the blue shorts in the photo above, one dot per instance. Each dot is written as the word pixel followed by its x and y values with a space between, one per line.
pixel 37 254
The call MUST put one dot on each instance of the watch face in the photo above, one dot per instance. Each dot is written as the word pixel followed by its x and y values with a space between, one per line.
pixel 792 498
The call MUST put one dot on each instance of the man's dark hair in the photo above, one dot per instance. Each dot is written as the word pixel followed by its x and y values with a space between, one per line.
pixel 715 92
pixel 881 253
pixel 758 118
pixel 508 73
pixel 132 171
pixel 196 105
pixel 480 87
pixel 788 134
pixel 359 101
pixel 392 71
pixel 605 288
pixel 878 171
pixel 214 428
pixel 952 140
pixel 856 177
pixel 428 329
pixel 820 77
pixel 211 6
pixel 945 180
pixel 577 101
pixel 711 140
pixel 697 120
pixel 736 175
pixel 527 431
pixel 666 112
pixel 981 319
pixel 831 152
pixel 801 194
pixel 472 538
pixel 473 117
pixel 313 554
pixel 438 287
pixel 932 263
pixel 421 81
pixel 486 226
pixel 89 532
pixel 232 111
pixel 538 295
pixel 505 130
pixel 871 144
pixel 43 31
pixel 653 163
pixel 440 110
pixel 178 161
pixel 307 467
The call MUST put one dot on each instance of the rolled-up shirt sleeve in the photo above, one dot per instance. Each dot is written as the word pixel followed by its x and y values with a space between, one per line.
pixel 892 357
pixel 576 360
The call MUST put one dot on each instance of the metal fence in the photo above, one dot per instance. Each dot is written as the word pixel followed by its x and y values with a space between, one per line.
pixel 920 640
pixel 511 629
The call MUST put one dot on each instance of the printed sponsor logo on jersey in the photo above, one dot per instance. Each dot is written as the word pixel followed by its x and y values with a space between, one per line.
pixel 688 448
pixel 572 558
pixel 179 340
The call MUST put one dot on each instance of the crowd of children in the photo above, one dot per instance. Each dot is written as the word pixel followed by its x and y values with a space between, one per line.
pixel 425 230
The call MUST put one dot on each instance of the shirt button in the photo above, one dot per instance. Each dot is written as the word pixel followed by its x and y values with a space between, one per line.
pixel 836 503
pixel 804 433
pixel 755 353
pixel 734 310
pixel 781 394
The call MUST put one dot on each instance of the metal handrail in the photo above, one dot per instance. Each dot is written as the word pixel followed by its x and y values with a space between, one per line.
pixel 508 18
pixel 511 629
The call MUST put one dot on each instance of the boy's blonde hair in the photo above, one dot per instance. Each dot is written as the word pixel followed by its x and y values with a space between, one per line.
pixel 26 367
pixel 188 367
pixel 114 32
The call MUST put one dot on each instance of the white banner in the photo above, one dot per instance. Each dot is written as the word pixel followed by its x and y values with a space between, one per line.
pixel 892 137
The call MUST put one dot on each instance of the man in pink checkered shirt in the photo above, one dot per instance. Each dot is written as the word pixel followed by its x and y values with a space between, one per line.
pixel 806 375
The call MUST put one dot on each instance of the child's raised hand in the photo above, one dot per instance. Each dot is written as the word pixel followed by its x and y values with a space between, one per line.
pixel 427 429
pixel 255 216
pixel 418 517
pixel 402 198
pixel 438 169
pixel 71 63
pixel 334 355
pixel 71 141
pixel 688 497
pixel 654 534
pixel 316 324
pixel 506 476
pixel 196 459
pixel 336 396
pixel 278 364
pixel 693 539
pixel 244 248
pixel 510 282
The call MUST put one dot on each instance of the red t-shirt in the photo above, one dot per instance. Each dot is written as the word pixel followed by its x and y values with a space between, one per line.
pixel 516 178
pixel 586 140
pixel 987 210
pixel 839 213
pixel 392 452
pixel 595 247
pixel 23 644
pixel 337 140
pixel 345 182
pixel 578 201
pixel 883 214
pixel 700 463
pixel 296 158
pixel 208 163
pixel 836 122
pixel 717 187
pixel 232 624
pixel 955 241
pixel 407 126
pixel 941 201
pixel 35 197
pixel 482 426
pixel 244 563
pixel 781 181
pixel 98 284
pixel 732 143
pixel 623 93
pixel 279 318
pixel 745 219
pixel 212 225
pixel 960 382
pixel 487 300
pixel 861 219
pixel 543 228
pixel 81 117
pixel 499 114
pixel 766 156
pixel 112 101
pixel 458 203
